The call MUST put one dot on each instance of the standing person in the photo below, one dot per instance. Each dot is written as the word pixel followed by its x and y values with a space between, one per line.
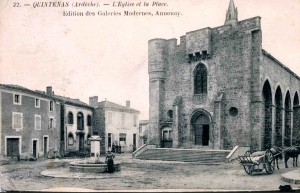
pixel 110 162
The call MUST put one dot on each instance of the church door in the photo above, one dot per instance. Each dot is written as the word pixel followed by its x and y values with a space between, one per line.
pixel 201 128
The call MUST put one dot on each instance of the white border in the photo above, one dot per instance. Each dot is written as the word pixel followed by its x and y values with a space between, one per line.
pixel 14 137
pixel 0 122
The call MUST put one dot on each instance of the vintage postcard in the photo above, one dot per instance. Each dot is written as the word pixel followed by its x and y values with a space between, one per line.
pixel 149 95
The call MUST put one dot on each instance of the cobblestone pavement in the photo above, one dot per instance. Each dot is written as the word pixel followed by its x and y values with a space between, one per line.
pixel 139 175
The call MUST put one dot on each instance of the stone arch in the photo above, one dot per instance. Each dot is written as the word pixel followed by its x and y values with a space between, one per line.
pixel 200 79
pixel 70 117
pixel 70 139
pixel 296 120
pixel 287 120
pixel 201 123
pixel 267 116
pixel 80 121
pixel 278 117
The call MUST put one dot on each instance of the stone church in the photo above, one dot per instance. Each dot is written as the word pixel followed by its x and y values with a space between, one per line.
pixel 219 88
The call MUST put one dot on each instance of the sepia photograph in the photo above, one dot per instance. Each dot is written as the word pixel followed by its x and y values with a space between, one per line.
pixel 149 95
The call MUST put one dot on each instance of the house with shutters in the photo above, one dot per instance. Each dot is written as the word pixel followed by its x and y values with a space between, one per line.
pixel 34 122
pixel 29 121
pixel 116 124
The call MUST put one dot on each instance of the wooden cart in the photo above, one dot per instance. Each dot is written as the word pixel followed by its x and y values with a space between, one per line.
pixel 257 162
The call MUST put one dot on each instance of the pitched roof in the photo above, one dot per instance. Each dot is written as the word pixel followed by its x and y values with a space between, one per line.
pixel 14 87
pixel 67 100
pixel 115 106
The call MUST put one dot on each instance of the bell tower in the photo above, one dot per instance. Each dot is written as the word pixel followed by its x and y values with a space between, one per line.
pixel 231 14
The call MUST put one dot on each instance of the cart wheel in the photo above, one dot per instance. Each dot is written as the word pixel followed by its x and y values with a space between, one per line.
pixel 269 159
pixel 248 169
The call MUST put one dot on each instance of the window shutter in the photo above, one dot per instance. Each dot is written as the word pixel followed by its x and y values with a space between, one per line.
pixel 54 123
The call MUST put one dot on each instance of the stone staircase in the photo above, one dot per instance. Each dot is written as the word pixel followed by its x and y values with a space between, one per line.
pixel 185 155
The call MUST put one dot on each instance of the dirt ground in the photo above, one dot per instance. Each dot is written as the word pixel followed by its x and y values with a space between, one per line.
pixel 139 174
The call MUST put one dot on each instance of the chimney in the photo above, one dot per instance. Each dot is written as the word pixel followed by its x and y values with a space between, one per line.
pixel 49 90
pixel 93 100
pixel 128 103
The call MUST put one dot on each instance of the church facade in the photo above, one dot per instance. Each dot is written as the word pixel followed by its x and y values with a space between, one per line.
pixel 219 88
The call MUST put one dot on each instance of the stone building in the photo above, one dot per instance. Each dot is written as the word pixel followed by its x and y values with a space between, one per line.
pixel 34 122
pixel 29 122
pixel 116 124
pixel 76 123
pixel 218 88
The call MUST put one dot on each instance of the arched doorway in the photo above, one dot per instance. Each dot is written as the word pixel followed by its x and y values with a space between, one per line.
pixel 80 128
pixel 167 137
pixel 201 124
pixel 267 110
pixel 278 118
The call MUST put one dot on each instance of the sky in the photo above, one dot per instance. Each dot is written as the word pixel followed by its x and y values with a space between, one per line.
pixel 107 56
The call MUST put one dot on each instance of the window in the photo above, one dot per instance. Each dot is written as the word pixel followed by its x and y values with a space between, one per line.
pixel 88 142
pixel 233 111
pixel 51 106
pixel 17 120
pixel 80 123
pixel 70 118
pixel 122 138
pixel 37 103
pixel 167 133
pixel 110 118
pixel 123 119
pixel 200 79
pixel 17 99
pixel 89 120
pixel 51 123
pixel 70 139
pixel 37 122
pixel 170 114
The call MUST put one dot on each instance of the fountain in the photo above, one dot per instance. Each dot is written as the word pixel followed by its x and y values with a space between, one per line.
pixel 93 164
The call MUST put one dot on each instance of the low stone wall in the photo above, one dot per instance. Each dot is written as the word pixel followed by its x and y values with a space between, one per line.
pixel 92 167
pixel 237 150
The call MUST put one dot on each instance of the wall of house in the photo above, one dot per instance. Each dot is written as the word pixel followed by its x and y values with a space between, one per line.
pixel 28 131
pixel 115 126
pixel 72 128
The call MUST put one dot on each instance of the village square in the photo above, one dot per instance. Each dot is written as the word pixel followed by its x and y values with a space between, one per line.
pixel 223 116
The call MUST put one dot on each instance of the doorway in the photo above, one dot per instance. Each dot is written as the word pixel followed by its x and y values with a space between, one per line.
pixel 45 145
pixel 34 148
pixel 81 142
pixel 201 124
pixel 12 148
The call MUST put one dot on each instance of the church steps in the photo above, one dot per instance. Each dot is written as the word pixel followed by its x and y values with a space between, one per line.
pixel 185 155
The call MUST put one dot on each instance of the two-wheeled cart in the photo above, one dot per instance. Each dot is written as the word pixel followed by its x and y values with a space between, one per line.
pixel 257 162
